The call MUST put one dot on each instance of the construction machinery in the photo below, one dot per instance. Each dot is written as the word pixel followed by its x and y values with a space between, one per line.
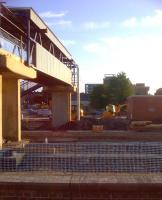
pixel 114 110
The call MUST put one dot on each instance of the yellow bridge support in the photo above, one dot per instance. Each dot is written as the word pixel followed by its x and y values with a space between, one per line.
pixel 11 109
pixel 12 69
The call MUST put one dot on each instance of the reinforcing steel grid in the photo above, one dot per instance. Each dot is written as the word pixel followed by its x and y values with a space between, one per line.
pixel 143 157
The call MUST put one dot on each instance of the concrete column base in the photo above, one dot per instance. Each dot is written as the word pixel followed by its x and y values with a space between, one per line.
pixel 61 108
pixel 11 109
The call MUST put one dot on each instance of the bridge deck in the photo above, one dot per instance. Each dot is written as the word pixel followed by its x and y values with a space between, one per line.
pixel 26 35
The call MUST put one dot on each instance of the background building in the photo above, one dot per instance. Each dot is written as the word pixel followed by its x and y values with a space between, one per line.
pixel 89 87
pixel 141 89
pixel 84 101
pixel 107 78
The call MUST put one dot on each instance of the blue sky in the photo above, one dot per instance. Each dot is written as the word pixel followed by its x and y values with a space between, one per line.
pixel 108 36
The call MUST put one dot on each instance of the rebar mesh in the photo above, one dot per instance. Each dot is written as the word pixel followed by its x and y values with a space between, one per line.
pixel 84 157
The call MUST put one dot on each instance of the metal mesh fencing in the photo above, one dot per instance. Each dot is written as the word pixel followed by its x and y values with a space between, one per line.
pixel 143 157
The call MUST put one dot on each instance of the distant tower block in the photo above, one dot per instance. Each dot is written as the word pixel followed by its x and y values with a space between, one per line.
pixel 141 89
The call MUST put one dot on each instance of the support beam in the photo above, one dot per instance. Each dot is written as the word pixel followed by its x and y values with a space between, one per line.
pixel 1 112
pixel 13 64
pixel 28 42
pixel 11 109
pixel 78 96
pixel 61 108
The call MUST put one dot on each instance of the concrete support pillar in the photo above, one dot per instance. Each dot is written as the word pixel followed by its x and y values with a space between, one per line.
pixel 1 112
pixel 61 108
pixel 11 109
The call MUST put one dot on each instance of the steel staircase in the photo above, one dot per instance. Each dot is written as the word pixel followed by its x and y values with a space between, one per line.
pixel 28 87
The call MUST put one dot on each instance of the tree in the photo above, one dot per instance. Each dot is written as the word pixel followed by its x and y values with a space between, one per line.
pixel 158 91
pixel 98 98
pixel 115 92
pixel 118 89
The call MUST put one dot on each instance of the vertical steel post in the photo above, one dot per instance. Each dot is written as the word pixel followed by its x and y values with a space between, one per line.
pixel 74 74
pixel 78 95
pixel 21 47
pixel 28 41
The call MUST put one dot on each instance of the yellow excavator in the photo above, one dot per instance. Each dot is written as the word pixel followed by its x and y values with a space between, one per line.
pixel 113 111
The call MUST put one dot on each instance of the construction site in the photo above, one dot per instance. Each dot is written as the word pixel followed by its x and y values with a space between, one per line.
pixel 47 155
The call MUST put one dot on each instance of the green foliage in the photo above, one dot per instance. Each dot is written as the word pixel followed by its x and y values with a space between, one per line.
pixel 98 98
pixel 115 92
pixel 119 88
pixel 158 91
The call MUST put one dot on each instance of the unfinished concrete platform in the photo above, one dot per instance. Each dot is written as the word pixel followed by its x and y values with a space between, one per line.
pixel 77 186
pixel 47 184
pixel 107 135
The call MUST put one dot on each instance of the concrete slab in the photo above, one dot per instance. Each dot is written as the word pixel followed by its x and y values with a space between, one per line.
pixel 15 66
pixel 81 136
pixel 53 177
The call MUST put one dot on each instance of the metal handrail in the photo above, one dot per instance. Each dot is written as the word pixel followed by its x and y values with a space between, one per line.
pixel 11 43
pixel 11 38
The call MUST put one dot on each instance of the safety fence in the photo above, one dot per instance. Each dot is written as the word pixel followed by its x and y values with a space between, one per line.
pixel 143 157
pixel 12 44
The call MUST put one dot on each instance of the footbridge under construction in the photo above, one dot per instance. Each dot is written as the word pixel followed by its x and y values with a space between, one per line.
pixel 30 51
pixel 72 165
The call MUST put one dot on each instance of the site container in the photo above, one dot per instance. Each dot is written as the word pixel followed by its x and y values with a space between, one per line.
pixel 145 108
